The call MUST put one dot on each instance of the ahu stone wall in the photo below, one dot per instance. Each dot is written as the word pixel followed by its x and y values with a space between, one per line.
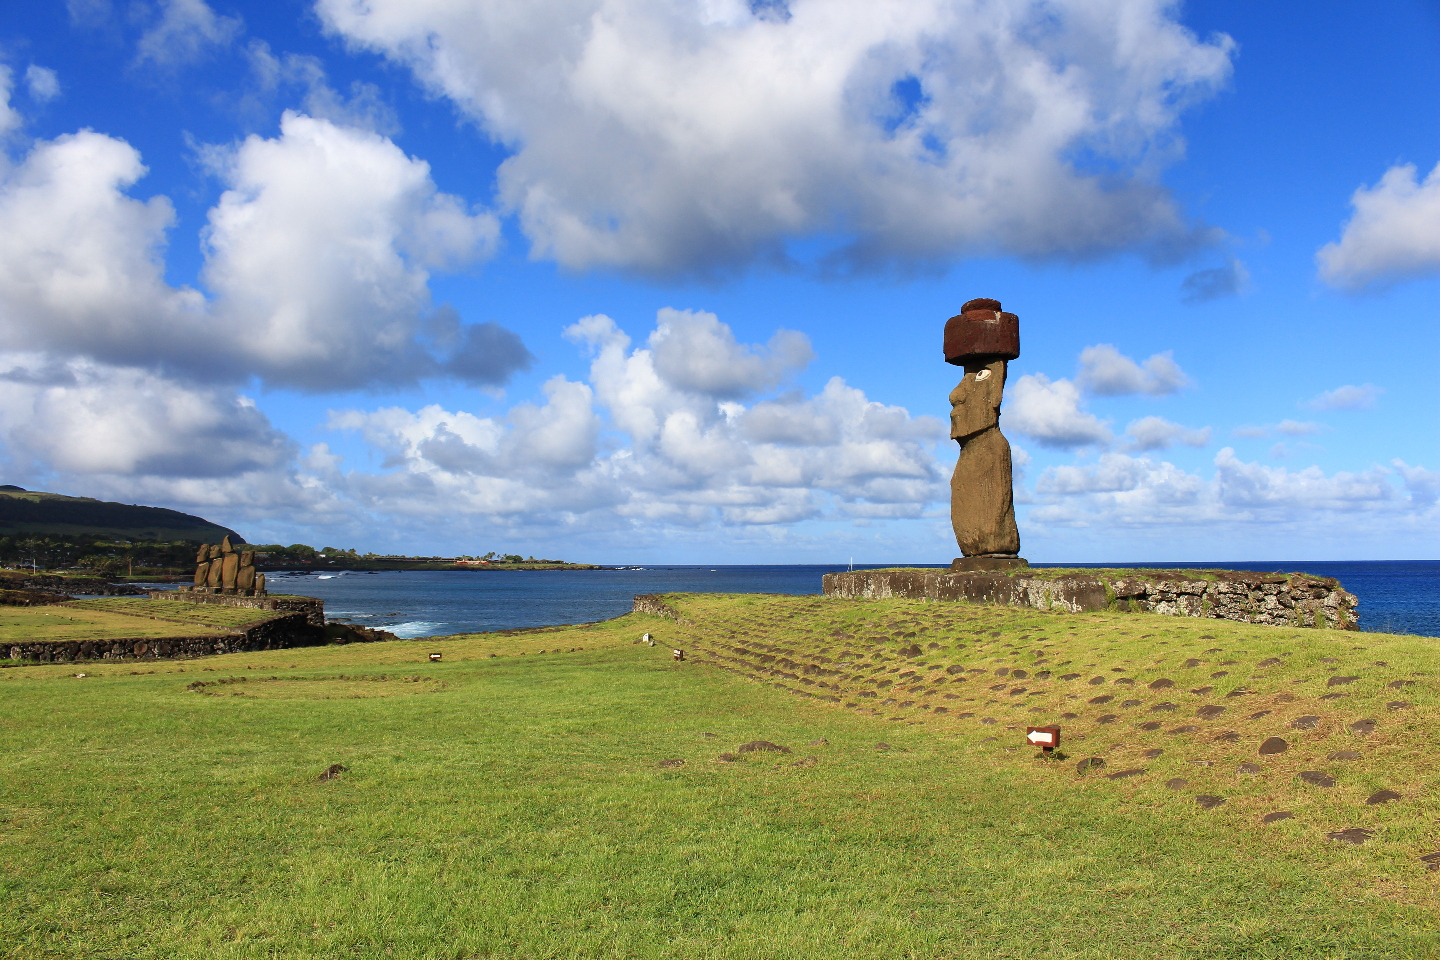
pixel 1292 600
pixel 313 608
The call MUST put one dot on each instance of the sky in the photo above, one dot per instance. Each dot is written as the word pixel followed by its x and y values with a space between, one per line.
pixel 631 281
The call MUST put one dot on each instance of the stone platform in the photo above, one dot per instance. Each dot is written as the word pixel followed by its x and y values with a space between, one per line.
pixel 313 608
pixel 1274 599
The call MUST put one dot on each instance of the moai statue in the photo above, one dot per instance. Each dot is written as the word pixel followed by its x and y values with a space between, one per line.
pixel 217 569
pixel 202 565
pixel 982 339
pixel 229 566
pixel 245 579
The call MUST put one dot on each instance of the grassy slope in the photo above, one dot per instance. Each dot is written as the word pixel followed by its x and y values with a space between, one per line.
pixel 518 809
pixel 120 617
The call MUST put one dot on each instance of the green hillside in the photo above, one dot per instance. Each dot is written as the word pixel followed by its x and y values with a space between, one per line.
pixel 52 514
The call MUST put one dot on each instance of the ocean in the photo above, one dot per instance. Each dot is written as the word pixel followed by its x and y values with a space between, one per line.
pixel 1395 596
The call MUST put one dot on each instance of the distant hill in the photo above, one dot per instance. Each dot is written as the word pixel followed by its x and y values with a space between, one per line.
pixel 52 514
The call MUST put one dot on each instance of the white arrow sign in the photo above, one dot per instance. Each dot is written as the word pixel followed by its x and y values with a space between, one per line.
pixel 1040 736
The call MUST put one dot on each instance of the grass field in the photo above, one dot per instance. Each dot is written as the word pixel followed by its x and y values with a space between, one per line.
pixel 521 798
pixel 120 617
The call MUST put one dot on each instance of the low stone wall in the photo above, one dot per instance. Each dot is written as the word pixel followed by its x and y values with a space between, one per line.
pixel 1292 600
pixel 49 583
pixel 314 609
pixel 277 633
pixel 652 604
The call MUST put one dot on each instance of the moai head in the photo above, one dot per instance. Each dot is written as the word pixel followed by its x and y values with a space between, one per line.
pixel 982 339
pixel 203 554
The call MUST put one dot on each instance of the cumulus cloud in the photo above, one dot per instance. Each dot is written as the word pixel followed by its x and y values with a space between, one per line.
pixel 318 260
pixel 319 255
pixel 185 32
pixel 1157 433
pixel 42 83
pixel 1050 413
pixel 1348 397
pixel 1393 235
pixel 80 417
pixel 669 138
pixel 637 447
pixel 10 118
pixel 695 351
pixel 1119 491
pixel 1106 372
pixel 1288 428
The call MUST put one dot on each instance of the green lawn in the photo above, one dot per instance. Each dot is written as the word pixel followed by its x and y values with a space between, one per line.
pixel 510 803
pixel 120 617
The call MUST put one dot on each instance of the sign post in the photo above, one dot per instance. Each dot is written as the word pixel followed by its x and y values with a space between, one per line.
pixel 1046 738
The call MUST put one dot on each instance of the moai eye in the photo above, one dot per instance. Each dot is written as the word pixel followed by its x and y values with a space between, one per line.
pixel 983 374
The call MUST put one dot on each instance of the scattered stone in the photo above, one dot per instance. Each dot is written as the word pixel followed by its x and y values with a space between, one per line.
pixel 1248 769
pixel 1089 763
pixel 1165 707
pixel 1097 700
pixel 1226 736
pixel 1131 703
pixel 818 742
pixel 1002 672
pixel 1432 861
pixel 709 736
pixel 1124 774
pixel 805 762
pixel 1397 705
pixel 1317 778
pixel 1192 663
pixel 882 745
pixel 1308 722
pixel 1278 815
pixel 1258 714
pixel 1219 673
pixel 755 746
pixel 333 772
pixel 1238 692
pixel 1152 725
pixel 1271 662
pixel 1152 754
pixel 1071 676
pixel 1186 728
pixel 1107 718
pixel 988 720
pixel 1382 796
pixel 1209 712
pixel 1340 681
pixel 1208 801
pixel 727 758
pixel 1363 728
pixel 1095 681
pixel 1179 783
pixel 670 764
pixel 1069 716
pixel 955 669
pixel 1201 691
pixel 1272 746
pixel 1400 684
pixel 1354 836
pixel 1284 698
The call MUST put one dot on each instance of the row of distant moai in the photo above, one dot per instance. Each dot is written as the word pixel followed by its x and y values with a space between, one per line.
pixel 982 339
pixel 220 568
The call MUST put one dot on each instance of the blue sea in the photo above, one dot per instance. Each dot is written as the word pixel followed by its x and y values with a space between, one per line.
pixel 1395 596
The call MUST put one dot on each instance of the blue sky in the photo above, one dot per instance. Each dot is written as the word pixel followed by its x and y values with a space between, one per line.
pixel 632 281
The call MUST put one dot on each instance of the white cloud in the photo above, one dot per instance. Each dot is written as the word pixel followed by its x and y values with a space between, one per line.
pixel 1157 433
pixel 85 418
pixel 42 83
pixel 1394 234
pixel 1050 413
pixel 10 118
pixel 635 449
pixel 364 107
pixel 1119 491
pixel 1348 397
pixel 1106 372
pixel 318 259
pixel 184 33
pixel 1288 428
pixel 695 351
pixel 700 137
pixel 319 254
pixel 1295 428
